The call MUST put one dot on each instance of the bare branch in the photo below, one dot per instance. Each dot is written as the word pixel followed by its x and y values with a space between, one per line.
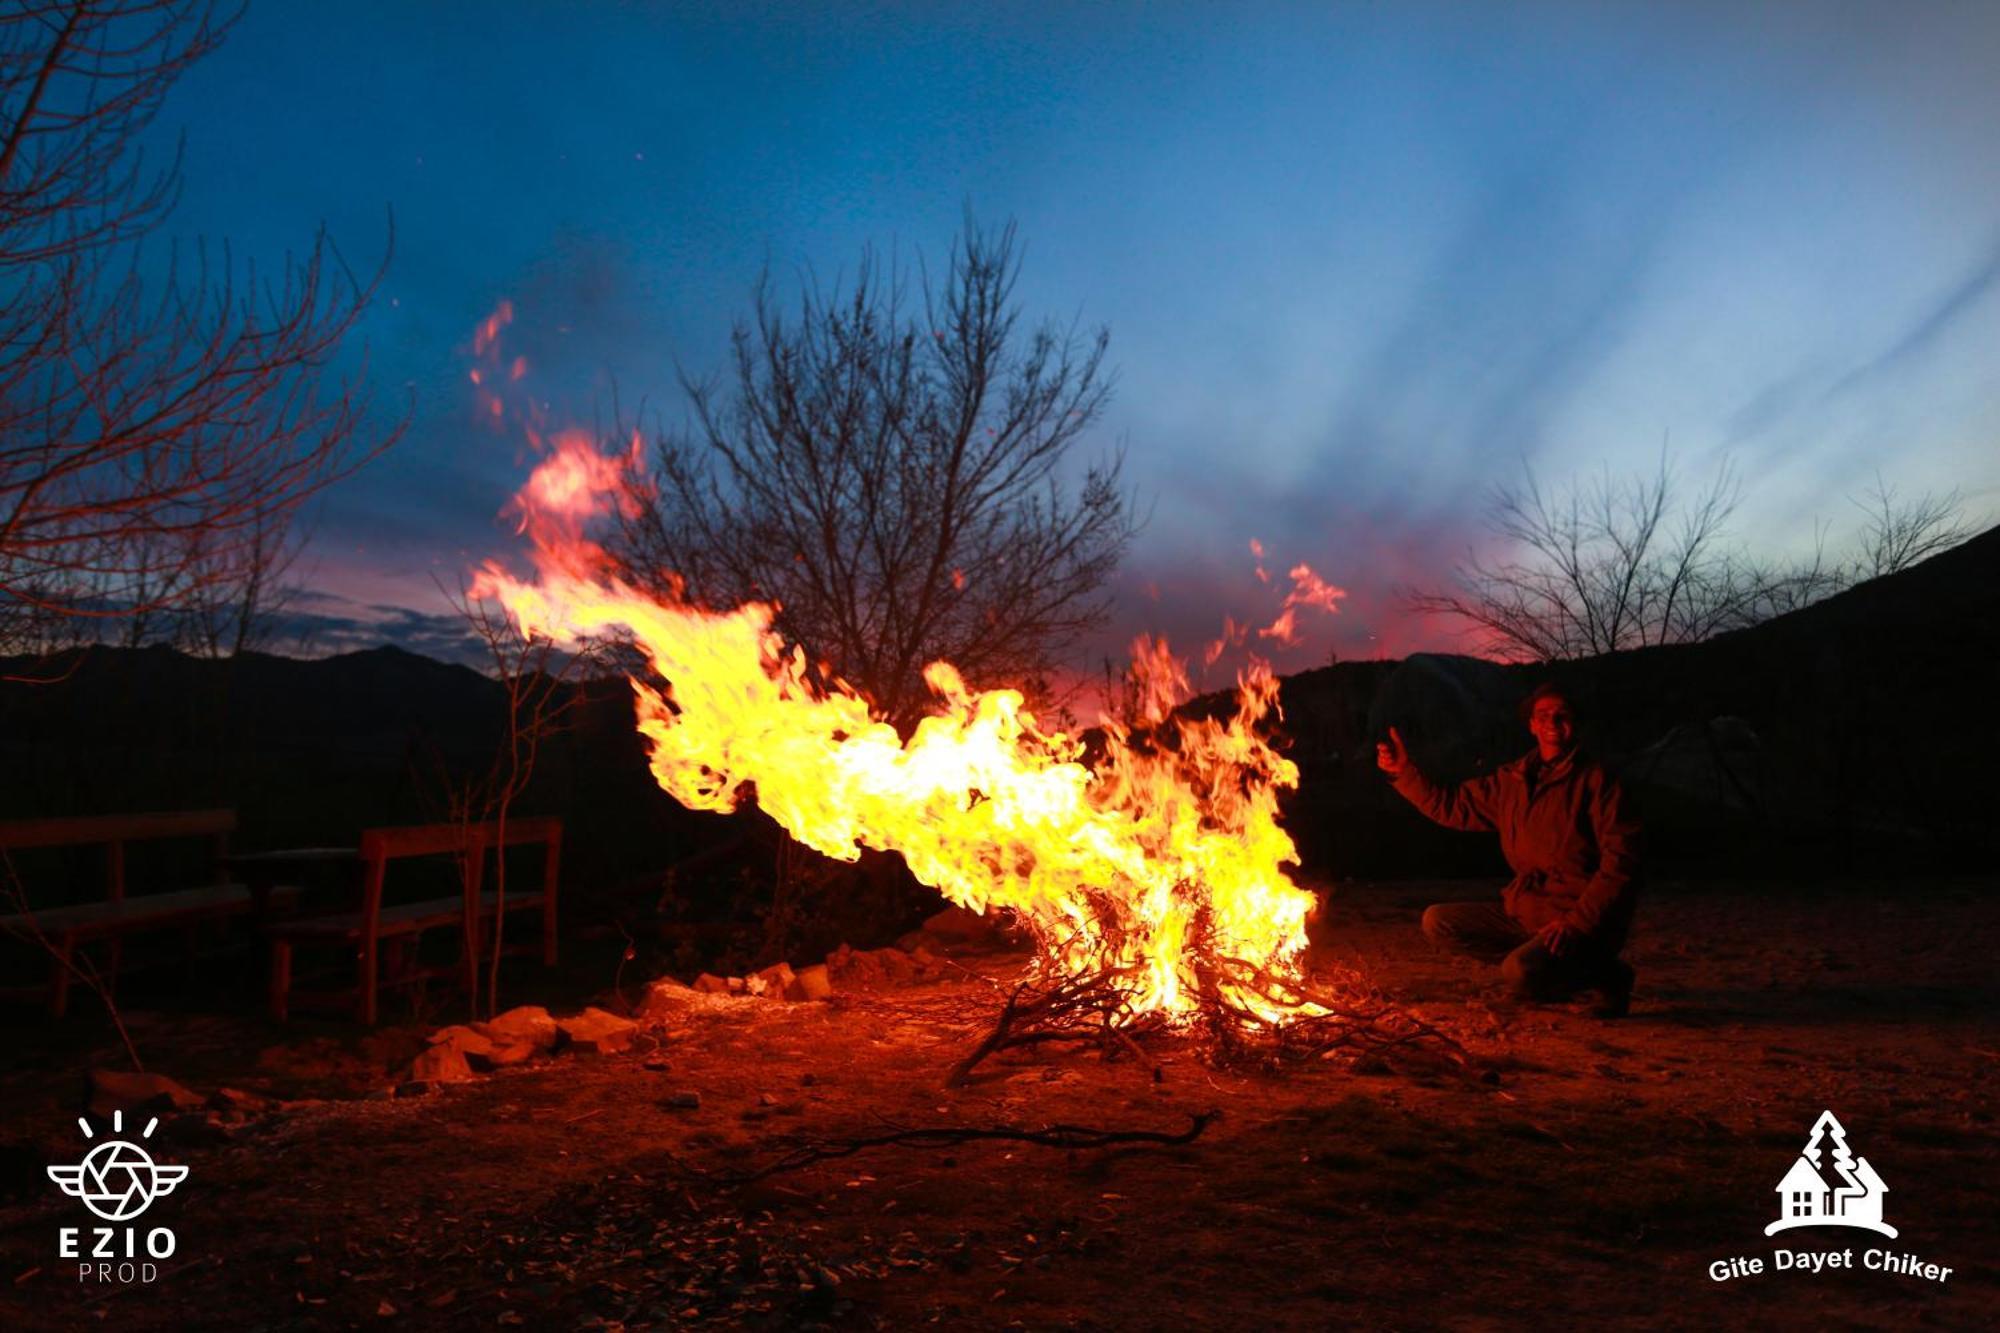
pixel 1610 564
pixel 890 473
pixel 1898 534
pixel 155 431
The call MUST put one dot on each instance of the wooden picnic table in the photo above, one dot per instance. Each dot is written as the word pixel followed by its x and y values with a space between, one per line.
pixel 372 923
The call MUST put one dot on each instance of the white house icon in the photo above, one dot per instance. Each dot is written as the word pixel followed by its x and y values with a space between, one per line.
pixel 1854 1199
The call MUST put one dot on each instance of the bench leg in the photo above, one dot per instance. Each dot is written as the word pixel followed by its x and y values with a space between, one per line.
pixel 367 983
pixel 468 967
pixel 281 979
pixel 548 930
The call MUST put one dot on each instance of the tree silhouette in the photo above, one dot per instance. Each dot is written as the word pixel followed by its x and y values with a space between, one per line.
pixel 890 473
pixel 1900 533
pixel 1610 563
pixel 156 429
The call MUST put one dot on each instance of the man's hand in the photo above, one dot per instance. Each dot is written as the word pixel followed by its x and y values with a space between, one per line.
pixel 1390 756
pixel 1557 937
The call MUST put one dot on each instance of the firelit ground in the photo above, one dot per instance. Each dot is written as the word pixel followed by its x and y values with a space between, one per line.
pixel 1588 1172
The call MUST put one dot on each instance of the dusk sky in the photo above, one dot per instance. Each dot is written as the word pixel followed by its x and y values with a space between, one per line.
pixel 1358 262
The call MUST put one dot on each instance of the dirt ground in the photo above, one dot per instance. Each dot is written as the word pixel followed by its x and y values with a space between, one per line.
pixel 1583 1172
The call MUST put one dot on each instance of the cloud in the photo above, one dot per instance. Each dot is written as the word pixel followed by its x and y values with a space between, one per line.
pixel 343 626
pixel 1940 322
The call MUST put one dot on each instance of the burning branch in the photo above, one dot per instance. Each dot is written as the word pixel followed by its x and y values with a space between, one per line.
pixel 1357 1018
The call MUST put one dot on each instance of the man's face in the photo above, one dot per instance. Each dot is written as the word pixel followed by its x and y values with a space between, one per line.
pixel 1553 725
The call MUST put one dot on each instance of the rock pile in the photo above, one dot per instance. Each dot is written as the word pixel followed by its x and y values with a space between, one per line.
pixel 184 1115
pixel 458 1053
pixel 464 1051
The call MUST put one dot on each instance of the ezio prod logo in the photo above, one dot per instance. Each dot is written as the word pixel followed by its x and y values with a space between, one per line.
pixel 117 1180
pixel 1828 1186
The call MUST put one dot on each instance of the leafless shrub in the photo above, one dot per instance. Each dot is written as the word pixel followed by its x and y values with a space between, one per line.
pixel 541 686
pixel 1899 533
pixel 1614 563
pixel 890 473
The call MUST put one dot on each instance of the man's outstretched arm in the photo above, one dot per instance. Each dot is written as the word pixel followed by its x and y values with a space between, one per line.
pixel 1459 805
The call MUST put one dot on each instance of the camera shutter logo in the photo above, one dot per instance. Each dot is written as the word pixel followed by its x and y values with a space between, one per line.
pixel 118 1180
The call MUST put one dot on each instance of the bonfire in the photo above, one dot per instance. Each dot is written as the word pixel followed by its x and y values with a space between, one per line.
pixel 1152 882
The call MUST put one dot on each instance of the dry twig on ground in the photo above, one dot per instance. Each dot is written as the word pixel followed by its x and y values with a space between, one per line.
pixel 1093 1007
pixel 1360 1019
pixel 1070 1137
pixel 1356 1018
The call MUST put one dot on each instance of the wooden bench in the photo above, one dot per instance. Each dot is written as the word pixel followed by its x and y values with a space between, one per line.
pixel 366 929
pixel 63 930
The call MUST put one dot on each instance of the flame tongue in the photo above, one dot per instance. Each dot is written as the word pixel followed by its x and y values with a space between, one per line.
pixel 1161 862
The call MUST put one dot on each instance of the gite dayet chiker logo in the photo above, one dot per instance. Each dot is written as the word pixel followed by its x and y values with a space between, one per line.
pixel 117 1180
pixel 1828 1186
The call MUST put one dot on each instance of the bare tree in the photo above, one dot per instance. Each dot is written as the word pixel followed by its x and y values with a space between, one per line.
pixel 890 473
pixel 542 688
pixel 1612 563
pixel 237 596
pixel 155 426
pixel 1899 533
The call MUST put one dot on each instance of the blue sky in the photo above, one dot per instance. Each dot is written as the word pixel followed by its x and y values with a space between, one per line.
pixel 1359 262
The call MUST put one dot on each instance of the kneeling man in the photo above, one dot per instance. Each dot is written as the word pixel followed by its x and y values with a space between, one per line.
pixel 1566 831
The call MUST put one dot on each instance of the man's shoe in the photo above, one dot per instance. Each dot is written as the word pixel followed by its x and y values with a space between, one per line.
pixel 1614 998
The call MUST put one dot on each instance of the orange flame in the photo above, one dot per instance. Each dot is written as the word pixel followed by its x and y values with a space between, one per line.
pixel 488 332
pixel 1308 589
pixel 1162 860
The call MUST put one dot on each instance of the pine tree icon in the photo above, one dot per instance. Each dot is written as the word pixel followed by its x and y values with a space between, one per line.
pixel 1849 1194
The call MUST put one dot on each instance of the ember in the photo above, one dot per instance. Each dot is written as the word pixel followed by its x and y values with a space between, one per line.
pixel 1164 866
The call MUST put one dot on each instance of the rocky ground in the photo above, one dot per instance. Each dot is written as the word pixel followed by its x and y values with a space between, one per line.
pixel 1581 1171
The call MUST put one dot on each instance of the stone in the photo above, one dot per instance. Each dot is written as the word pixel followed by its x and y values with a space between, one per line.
pixel 528 1023
pixel 961 925
pixel 858 969
pixel 236 1102
pixel 476 1046
pixel 598 1032
pixel 811 983
pixel 665 998
pixel 772 982
pixel 710 984
pixel 443 1063
pixel 506 1057
pixel 107 1091
pixel 895 964
pixel 685 1100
